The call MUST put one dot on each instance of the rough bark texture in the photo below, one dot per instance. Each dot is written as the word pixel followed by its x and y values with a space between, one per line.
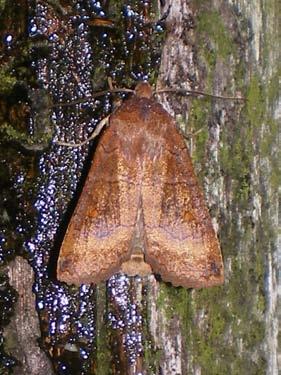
pixel 227 48
pixel 23 332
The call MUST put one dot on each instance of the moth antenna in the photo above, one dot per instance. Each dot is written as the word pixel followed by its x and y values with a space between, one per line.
pixel 94 95
pixel 198 93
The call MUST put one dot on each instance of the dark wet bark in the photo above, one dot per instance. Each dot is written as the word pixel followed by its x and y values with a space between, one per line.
pixel 23 333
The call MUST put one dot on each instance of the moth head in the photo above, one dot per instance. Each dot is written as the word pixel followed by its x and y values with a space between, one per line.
pixel 143 90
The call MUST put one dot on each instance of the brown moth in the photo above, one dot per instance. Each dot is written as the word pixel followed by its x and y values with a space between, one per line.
pixel 141 209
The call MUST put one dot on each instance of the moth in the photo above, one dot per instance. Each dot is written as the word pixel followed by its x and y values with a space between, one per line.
pixel 141 210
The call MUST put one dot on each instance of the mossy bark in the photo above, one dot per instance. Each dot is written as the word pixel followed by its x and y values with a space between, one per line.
pixel 229 50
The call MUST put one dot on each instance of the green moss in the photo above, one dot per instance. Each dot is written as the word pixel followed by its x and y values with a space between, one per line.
pixel 210 23
pixel 243 364
pixel 254 335
pixel 2 5
pixel 103 355
pixel 272 128
pixel 152 354
pixel 206 356
pixel 270 38
pixel 260 121
pixel 255 104
pixel 175 301
pixel 152 357
pixel 273 87
pixel 11 134
pixel 238 307
pixel 7 80
pixel 235 160
pixel 239 147
pixel 222 320
pixel 214 40
pixel 163 300
pixel 198 124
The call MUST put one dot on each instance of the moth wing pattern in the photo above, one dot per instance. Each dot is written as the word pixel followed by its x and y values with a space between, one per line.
pixel 98 237
pixel 141 208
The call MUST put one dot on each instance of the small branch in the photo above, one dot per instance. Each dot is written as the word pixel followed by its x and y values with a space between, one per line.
pixel 95 133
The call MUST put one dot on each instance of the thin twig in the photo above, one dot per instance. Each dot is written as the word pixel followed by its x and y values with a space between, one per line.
pixel 95 133
pixel 198 93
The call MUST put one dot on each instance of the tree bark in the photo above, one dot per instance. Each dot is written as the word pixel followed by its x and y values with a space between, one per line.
pixel 23 332
pixel 229 48
pixel 232 50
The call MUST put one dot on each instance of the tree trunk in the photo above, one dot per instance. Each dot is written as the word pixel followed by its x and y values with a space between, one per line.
pixel 131 326
pixel 23 332
pixel 230 50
